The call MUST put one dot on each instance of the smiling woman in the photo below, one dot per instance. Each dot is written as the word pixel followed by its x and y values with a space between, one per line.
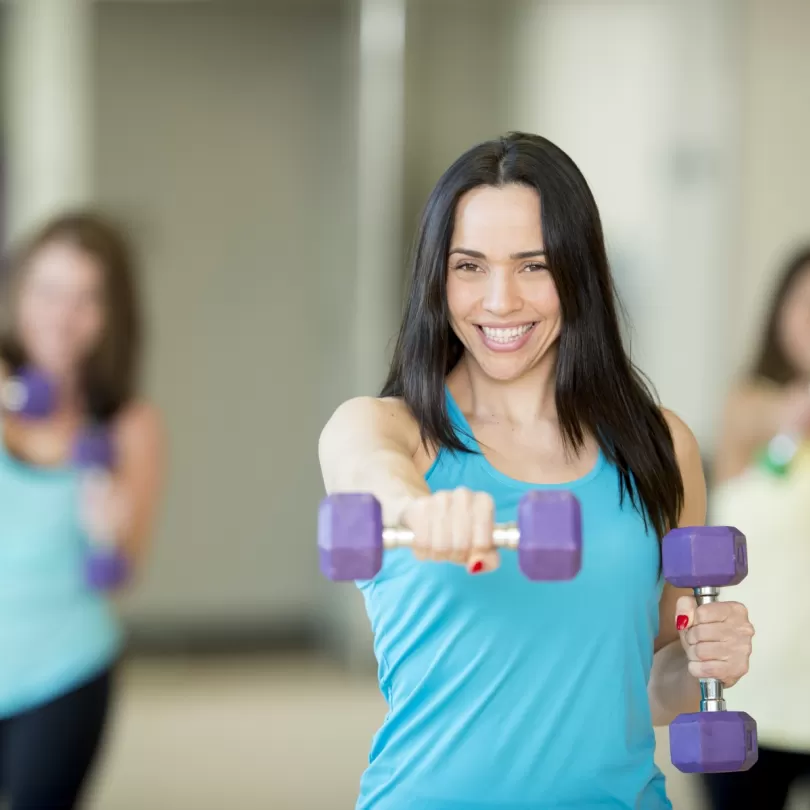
pixel 509 376
pixel 487 287
pixel 72 321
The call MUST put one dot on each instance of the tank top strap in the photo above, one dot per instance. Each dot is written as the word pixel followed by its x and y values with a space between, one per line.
pixel 459 422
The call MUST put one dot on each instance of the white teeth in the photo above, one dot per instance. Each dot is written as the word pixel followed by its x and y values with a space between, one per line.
pixel 506 335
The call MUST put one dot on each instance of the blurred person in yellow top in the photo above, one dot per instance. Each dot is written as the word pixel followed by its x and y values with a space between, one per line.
pixel 762 483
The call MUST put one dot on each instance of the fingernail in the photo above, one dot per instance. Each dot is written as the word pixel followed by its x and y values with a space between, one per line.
pixel 682 622
pixel 477 567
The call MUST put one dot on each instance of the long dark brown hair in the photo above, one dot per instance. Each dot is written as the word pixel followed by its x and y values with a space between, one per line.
pixel 772 362
pixel 598 390
pixel 110 374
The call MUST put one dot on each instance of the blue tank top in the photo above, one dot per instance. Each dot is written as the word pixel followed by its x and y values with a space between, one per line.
pixel 506 694
pixel 55 633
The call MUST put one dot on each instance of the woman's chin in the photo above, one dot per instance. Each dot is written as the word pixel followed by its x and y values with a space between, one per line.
pixel 504 368
pixel 57 364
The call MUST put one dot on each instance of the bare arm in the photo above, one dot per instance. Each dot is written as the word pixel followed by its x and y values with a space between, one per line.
pixel 139 475
pixel 369 445
pixel 672 689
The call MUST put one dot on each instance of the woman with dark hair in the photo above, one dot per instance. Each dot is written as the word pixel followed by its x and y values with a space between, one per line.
pixel 510 375
pixel 762 481
pixel 72 314
pixel 773 402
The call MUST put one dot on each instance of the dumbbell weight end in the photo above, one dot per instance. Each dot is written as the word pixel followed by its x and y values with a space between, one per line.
pixel 106 568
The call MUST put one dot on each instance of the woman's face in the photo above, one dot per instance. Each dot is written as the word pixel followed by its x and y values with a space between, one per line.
pixel 61 311
pixel 794 324
pixel 503 303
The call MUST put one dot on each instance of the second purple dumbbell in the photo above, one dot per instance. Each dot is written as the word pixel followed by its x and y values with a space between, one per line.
pixel 94 456
pixel 714 740
pixel 547 536
pixel 29 393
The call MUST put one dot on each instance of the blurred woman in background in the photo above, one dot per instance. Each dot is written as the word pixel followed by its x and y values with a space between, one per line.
pixel 72 314
pixel 762 484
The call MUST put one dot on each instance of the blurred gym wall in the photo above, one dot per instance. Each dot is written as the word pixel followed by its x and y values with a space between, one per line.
pixel 228 133
pixel 775 167
pixel 221 136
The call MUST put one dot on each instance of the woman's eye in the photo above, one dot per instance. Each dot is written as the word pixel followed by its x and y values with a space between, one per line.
pixel 535 267
pixel 467 266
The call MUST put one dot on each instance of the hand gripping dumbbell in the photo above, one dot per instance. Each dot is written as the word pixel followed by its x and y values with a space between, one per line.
pixel 714 740
pixel 29 393
pixel 547 536
pixel 32 394
pixel 94 456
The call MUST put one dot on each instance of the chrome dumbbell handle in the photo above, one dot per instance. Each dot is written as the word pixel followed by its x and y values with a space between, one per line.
pixel 504 535
pixel 711 689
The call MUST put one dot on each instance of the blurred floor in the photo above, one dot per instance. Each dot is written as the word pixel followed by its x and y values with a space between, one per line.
pixel 251 734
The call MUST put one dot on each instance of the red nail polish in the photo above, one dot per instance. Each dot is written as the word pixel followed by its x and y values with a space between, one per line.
pixel 477 567
pixel 682 622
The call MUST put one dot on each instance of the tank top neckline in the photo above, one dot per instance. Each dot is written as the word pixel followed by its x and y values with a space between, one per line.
pixel 468 438
pixel 28 468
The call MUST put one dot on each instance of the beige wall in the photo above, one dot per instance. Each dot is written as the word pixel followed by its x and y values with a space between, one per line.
pixel 775 176
pixel 457 69
pixel 224 131
pixel 221 136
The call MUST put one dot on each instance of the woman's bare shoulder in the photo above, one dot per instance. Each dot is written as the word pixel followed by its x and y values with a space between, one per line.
pixel 377 418
pixel 747 398
pixel 140 422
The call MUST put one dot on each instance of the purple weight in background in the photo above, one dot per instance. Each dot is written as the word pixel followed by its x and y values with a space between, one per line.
pixel 713 742
pixel 704 557
pixel 350 536
pixel 94 448
pixel 39 399
pixel 550 524
pixel 105 569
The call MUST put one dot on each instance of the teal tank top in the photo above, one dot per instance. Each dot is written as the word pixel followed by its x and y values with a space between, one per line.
pixel 55 633
pixel 504 694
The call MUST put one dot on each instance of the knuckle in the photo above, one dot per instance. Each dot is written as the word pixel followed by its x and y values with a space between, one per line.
pixel 441 500
pixel 695 669
pixel 483 503
pixel 714 669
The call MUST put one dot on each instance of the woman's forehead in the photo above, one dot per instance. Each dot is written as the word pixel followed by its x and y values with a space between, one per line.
pixel 503 219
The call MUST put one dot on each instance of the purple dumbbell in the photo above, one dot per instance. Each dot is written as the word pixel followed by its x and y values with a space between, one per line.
pixel 29 393
pixel 547 536
pixel 713 740
pixel 94 450
pixel 94 455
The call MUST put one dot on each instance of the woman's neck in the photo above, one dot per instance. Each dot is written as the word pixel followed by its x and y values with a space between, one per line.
pixel 527 400
pixel 70 398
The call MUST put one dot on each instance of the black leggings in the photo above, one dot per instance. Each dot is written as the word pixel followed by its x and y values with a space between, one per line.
pixel 46 753
pixel 766 785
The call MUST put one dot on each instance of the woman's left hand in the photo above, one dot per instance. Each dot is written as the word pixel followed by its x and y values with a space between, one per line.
pixel 716 637
pixel 105 511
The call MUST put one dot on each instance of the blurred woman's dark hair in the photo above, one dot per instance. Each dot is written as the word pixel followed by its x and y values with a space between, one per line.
pixel 772 363
pixel 110 374
pixel 598 390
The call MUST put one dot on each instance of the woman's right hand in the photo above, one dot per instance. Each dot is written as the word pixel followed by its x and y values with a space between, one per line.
pixel 454 526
